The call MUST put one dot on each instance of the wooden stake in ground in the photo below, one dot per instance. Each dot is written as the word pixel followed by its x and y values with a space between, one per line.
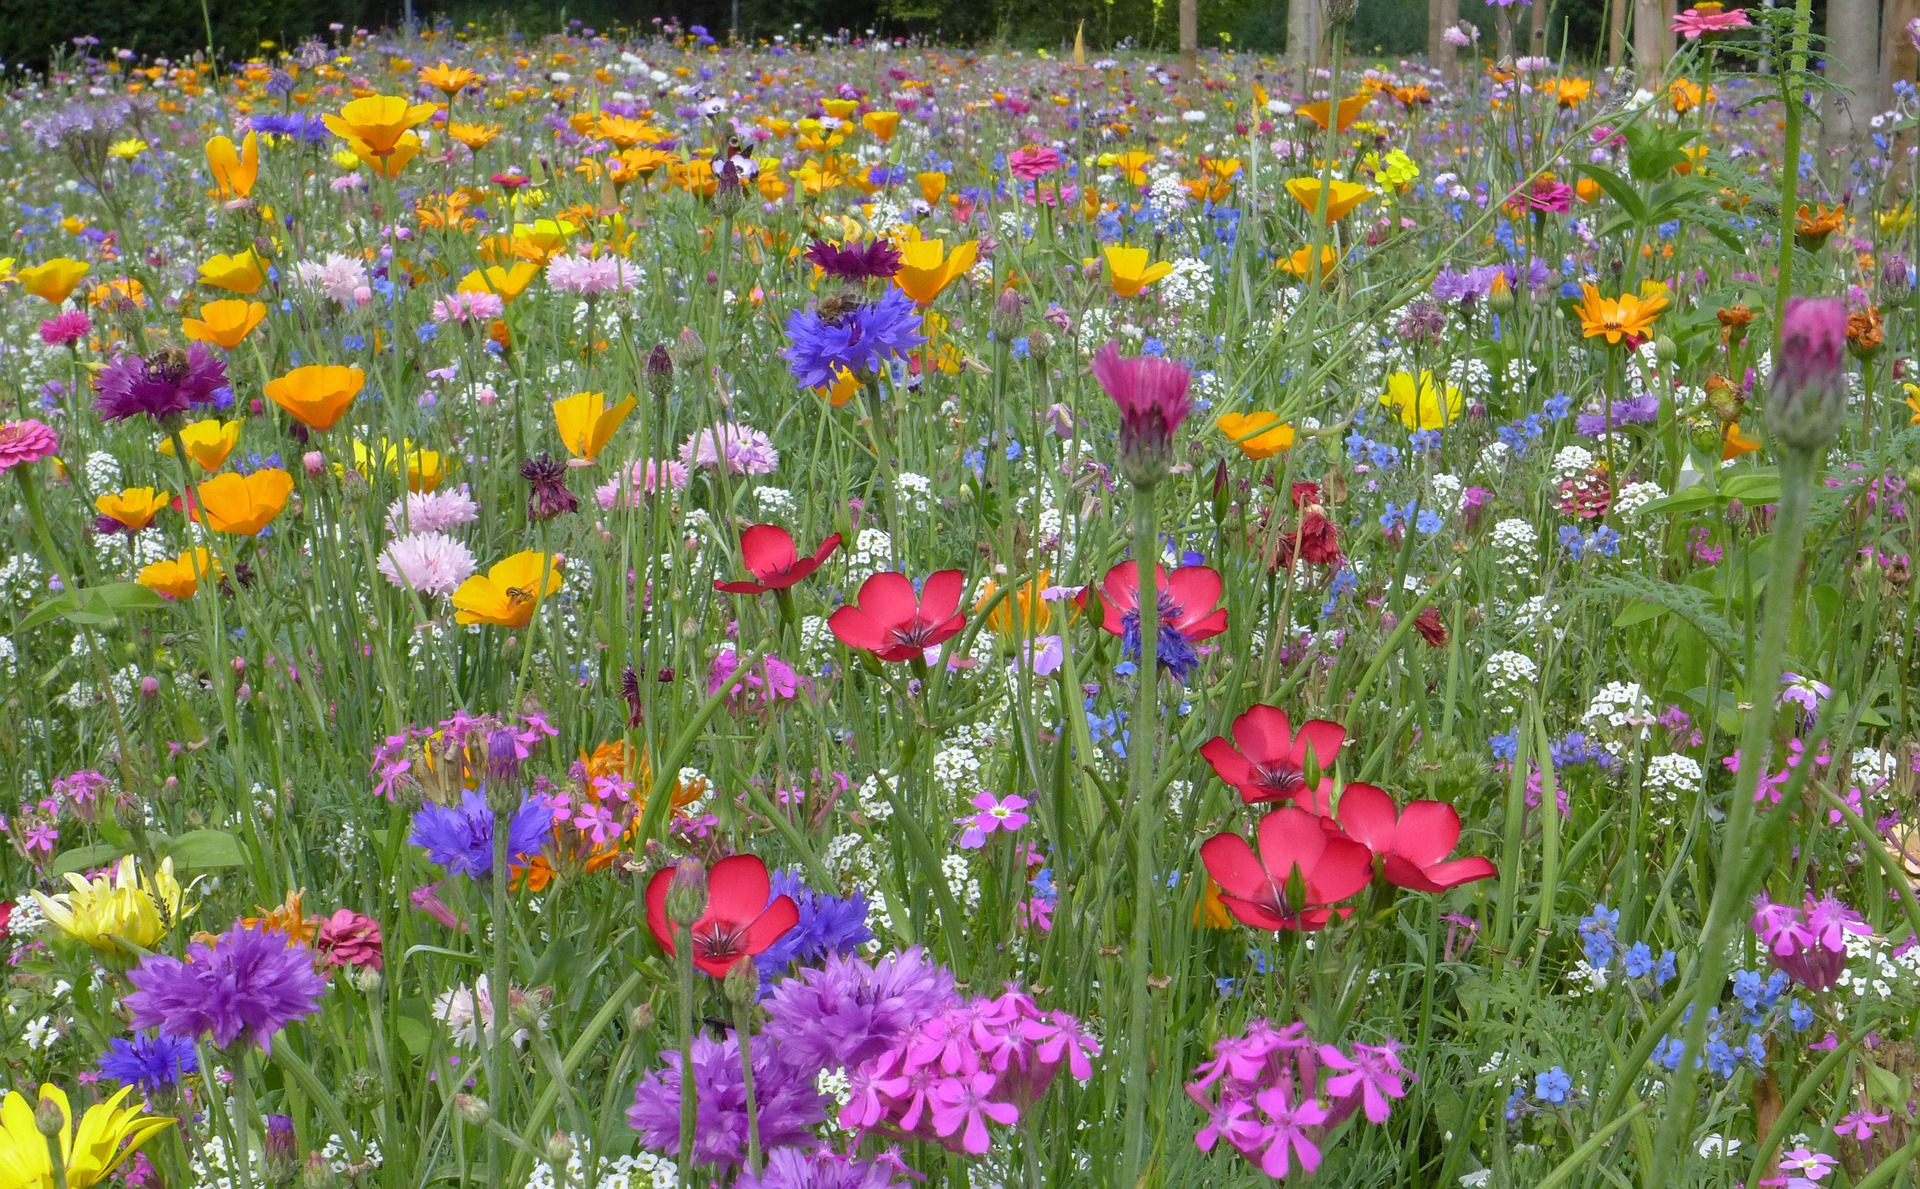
pixel 1189 39
pixel 1853 73
pixel 1652 40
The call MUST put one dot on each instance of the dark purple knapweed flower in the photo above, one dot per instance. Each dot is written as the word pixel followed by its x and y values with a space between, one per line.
pixel 1152 396
pixel 788 1103
pixel 460 837
pixel 158 385
pixel 150 1064
pixel 254 981
pixel 550 496
pixel 859 339
pixel 793 1168
pixel 874 260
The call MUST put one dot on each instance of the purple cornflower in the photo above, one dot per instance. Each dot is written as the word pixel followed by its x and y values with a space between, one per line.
pixel 860 340
pixel 460 837
pixel 849 1011
pixel 995 814
pixel 151 1064
pixel 158 385
pixel 1633 411
pixel 792 1168
pixel 788 1103
pixel 250 980
pixel 874 260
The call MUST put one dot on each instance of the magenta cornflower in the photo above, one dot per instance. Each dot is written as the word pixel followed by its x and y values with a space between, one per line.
pixel 1152 396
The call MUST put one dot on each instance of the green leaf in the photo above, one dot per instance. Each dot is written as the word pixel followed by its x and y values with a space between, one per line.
pixel 199 849
pixel 86 858
pixel 1752 487
pixel 1884 1085
pixel 1620 190
pixel 93 605
pixel 1638 613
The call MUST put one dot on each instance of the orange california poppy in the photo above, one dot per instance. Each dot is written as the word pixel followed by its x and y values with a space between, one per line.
pixel 1350 109
pixel 224 323
pixel 1341 199
pixel 241 273
pixel 1259 435
pixel 135 507
pixel 55 280
pixel 208 442
pixel 234 171
pixel 1128 270
pixel 1736 445
pixel 317 394
pixel 926 267
pixel 587 422
pixel 242 504
pixel 507 594
pixel 179 577
pixel 378 122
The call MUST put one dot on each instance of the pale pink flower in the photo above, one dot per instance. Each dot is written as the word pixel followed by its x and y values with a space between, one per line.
pixel 464 307
pixel 432 511
pixel 340 278
pixel 627 487
pixel 431 563
pixel 591 276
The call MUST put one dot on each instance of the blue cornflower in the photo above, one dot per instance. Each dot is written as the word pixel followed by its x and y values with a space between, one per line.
pixel 460 837
pixel 827 925
pixel 1552 1086
pixel 150 1064
pixel 860 340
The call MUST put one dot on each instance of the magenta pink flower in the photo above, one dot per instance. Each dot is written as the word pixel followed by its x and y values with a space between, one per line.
pixel 65 328
pixel 1033 162
pixel 961 1104
pixel 26 441
pixel 995 814
pixel 1692 23
pixel 1286 1132
pixel 1152 396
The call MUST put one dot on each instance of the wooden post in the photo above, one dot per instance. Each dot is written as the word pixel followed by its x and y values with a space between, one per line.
pixel 1537 37
pixel 1652 41
pixel 1189 40
pixel 1853 74
pixel 1616 32
pixel 1898 60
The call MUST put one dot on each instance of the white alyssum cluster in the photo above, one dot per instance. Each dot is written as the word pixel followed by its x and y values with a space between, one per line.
pixel 1669 776
pixel 1510 680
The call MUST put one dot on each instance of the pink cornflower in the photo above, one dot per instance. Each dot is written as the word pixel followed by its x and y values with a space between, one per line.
pixel 341 278
pixel 65 328
pixel 468 307
pixel 26 441
pixel 747 450
pixel 995 814
pixel 431 563
pixel 1152 396
pixel 432 511
pixel 591 276
pixel 1692 23
pixel 625 489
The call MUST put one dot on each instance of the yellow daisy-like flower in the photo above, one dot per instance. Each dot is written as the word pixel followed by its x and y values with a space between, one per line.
pixel 107 1135
pixel 1419 402
pixel 126 150
pixel 115 906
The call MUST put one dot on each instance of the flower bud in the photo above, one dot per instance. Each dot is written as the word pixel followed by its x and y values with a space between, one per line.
pixel 318 1174
pixel 559 1149
pixel 640 1019
pixel 279 1151
pixel 1039 346
pixel 1007 309
pixel 1665 350
pixel 660 370
pixel 690 352
pixel 473 1111
pixel 149 687
pixel 687 892
pixel 742 984
pixel 314 462
pixel 1807 394
pixel 367 980
pixel 48 1118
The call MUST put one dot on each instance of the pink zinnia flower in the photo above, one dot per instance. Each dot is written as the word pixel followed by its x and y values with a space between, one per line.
pixel 26 441
pixel 431 563
pixel 65 328
pixel 1692 23
pixel 1033 162
pixel 1152 396
pixel 348 939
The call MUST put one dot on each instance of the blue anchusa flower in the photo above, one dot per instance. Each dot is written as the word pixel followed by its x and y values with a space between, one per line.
pixel 1552 1086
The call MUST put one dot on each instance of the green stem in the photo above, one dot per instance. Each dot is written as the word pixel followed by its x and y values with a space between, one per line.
pixel 1790 88
pixel 683 943
pixel 742 1026
pixel 1797 473
pixel 1140 751
pixel 499 997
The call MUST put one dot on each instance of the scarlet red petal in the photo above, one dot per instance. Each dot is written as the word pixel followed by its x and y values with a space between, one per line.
pixel 1263 733
pixel 767 550
pixel 1290 838
pixel 1249 913
pixel 741 588
pixel 825 551
pixel 1402 874
pixel 856 629
pixel 737 889
pixel 716 967
pixel 940 596
pixel 1204 629
pixel 1120 591
pixel 946 631
pixel 1195 590
pixel 889 599
pixel 780 916
pixel 1452 875
pixel 1429 830
pixel 1324 737
pixel 1344 868
pixel 1228 764
pixel 1233 865
pixel 657 922
pixel 1367 815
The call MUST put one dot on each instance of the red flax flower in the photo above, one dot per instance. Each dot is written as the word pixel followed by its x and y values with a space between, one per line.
pixel 1413 848
pixel 1189 611
pixel 742 917
pixel 769 553
pixel 1304 865
pixel 1271 762
pixel 893 623
pixel 1152 396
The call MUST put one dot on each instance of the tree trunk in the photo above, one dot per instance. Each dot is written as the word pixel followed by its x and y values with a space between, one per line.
pixel 1189 38
pixel 1652 41
pixel 1439 53
pixel 1537 37
pixel 1303 42
pixel 1853 75
pixel 1898 63
pixel 1616 32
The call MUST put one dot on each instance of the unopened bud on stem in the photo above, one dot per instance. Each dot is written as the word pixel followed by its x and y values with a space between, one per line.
pixel 1807 394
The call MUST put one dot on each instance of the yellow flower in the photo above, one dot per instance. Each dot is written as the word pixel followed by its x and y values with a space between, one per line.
pixel 317 394
pixel 1418 402
pixel 1027 603
pixel 1298 266
pixel 845 385
pixel 448 80
pixel 1343 197
pixel 208 442
pixel 1350 109
pixel 926 268
pixel 116 905
pixel 1734 445
pixel 932 185
pixel 390 163
pixel 508 283
pixel 1630 317
pixel 1896 220
pixel 126 150
pixel 1913 402
pixel 243 273
pixel 54 280
pixel 224 323
pixel 1128 271
pixel 426 469
pixel 1133 166
pixel 1258 435
pixel 179 577
pixel 108 1134
pixel 881 124
pixel 234 172
pixel 506 595
pixel 378 122
pixel 243 504
pixel 587 423
pixel 135 507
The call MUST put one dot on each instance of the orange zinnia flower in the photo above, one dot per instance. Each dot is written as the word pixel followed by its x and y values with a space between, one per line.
pixel 317 394
pixel 242 504
pixel 224 323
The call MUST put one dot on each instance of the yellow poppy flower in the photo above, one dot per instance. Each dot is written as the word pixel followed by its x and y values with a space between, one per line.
pixel 1258 435
pixel 1350 109
pixel 179 577
pixel 390 163
pixel 1133 166
pixel 508 283
pixel 243 504
pixel 135 507
pixel 317 394
pixel 234 172
pixel 926 268
pixel 378 122
pixel 1129 272
pixel 108 1134
pixel 587 423
pixel 243 273
pixel 1419 402
pixel 1341 199
pixel 115 905
pixel 208 442
pixel 426 469
pixel 55 280
pixel 507 594
pixel 881 124
pixel 224 323
pixel 846 385
pixel 840 109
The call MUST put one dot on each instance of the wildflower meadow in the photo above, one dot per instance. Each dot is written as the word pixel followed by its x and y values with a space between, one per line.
pixel 573 616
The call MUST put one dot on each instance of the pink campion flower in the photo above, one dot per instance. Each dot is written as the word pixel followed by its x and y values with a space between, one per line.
pixel 1859 1125
pixel 1913 32
pixel 1368 1079
pixel 995 814
pixel 1286 1136
pixel 1152 397
pixel 65 328
pixel 1233 1119
pixel 26 441
pixel 1035 914
pixel 962 1104
pixel 1032 162
pixel 1692 23
pixel 1807 943
pixel 427 899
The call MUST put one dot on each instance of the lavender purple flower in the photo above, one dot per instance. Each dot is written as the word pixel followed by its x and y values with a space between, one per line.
pixel 250 980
